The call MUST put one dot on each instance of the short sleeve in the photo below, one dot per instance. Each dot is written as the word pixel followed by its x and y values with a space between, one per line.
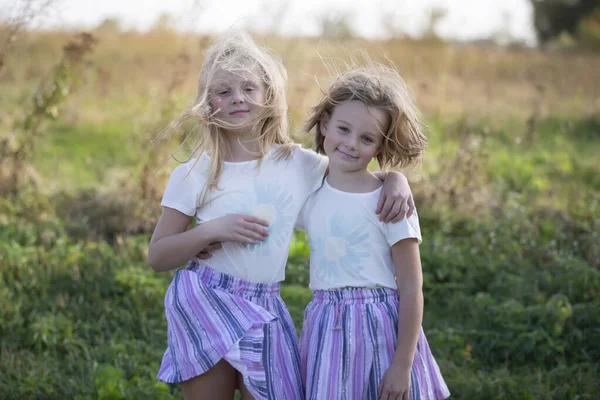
pixel 403 229
pixel 313 167
pixel 183 189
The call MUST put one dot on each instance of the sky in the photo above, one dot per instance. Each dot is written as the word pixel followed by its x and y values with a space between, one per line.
pixel 464 20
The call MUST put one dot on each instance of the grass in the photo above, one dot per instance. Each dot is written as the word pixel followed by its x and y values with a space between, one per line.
pixel 84 155
pixel 507 197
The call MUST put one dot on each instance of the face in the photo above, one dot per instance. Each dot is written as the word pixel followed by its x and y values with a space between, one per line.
pixel 237 98
pixel 353 135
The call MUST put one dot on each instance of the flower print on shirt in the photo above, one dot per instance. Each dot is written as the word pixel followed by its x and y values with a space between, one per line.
pixel 272 203
pixel 340 247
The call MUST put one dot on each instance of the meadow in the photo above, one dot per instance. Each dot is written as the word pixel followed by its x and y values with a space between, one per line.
pixel 508 197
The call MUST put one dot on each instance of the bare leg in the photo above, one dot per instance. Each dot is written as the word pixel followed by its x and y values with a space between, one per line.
pixel 218 383
pixel 243 389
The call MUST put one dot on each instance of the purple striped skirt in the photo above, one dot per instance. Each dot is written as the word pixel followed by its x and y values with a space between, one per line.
pixel 348 342
pixel 213 316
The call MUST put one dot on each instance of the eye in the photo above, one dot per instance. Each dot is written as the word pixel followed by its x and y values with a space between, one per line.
pixel 367 139
pixel 343 129
pixel 223 92
pixel 250 89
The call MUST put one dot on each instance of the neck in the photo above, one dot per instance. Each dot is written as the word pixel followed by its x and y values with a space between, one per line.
pixel 241 145
pixel 362 181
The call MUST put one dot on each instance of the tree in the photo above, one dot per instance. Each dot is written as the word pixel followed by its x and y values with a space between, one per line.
pixel 553 17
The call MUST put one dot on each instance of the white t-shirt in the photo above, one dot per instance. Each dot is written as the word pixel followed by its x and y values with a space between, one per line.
pixel 349 246
pixel 276 192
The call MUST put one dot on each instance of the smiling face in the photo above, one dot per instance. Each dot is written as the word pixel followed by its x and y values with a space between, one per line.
pixel 237 98
pixel 353 135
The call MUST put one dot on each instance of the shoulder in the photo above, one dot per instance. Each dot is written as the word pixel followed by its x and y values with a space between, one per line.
pixel 194 168
pixel 308 158
pixel 403 229
pixel 196 165
pixel 413 222
pixel 184 187
pixel 297 155
pixel 307 154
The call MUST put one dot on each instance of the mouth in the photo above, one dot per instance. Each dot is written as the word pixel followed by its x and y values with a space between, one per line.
pixel 239 112
pixel 346 155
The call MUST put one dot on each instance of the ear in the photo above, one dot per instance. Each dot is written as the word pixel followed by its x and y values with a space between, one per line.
pixel 323 124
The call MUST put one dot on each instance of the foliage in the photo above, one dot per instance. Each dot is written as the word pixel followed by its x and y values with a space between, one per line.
pixel 507 198
pixel 555 17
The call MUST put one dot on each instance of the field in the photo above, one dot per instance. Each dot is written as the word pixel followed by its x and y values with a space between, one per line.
pixel 508 196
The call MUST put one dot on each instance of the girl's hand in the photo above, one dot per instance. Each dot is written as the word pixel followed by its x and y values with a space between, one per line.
pixel 395 384
pixel 206 252
pixel 242 228
pixel 396 199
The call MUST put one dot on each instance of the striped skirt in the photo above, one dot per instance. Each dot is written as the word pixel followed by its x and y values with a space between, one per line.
pixel 348 342
pixel 213 316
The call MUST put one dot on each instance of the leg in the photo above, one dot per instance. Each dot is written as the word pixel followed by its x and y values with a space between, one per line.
pixel 217 383
pixel 243 389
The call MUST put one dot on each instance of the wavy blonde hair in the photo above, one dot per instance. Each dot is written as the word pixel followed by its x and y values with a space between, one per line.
pixel 237 53
pixel 378 86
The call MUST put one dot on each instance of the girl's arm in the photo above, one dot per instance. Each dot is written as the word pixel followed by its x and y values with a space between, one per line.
pixel 396 198
pixel 173 245
pixel 409 278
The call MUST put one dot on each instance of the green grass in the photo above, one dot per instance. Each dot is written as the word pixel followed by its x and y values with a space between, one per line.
pixel 84 155
pixel 510 223
pixel 85 318
pixel 511 288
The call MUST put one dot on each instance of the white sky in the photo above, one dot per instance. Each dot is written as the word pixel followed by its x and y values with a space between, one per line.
pixel 465 19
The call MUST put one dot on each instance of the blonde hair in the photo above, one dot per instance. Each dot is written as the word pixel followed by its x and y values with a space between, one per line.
pixel 378 86
pixel 237 53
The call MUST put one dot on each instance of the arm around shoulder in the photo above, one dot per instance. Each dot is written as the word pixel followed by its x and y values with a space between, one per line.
pixel 396 198
pixel 313 166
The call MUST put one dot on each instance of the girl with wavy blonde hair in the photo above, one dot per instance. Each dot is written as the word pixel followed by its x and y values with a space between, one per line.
pixel 244 186
pixel 362 335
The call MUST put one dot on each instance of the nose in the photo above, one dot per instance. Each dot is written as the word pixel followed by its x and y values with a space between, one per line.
pixel 351 142
pixel 237 97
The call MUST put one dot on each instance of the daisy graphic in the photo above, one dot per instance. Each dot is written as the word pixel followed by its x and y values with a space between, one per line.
pixel 341 249
pixel 273 204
